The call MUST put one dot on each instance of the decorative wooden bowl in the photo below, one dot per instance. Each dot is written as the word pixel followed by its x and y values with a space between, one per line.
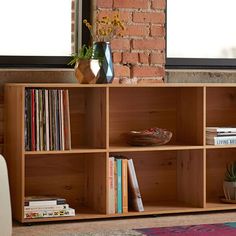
pixel 148 137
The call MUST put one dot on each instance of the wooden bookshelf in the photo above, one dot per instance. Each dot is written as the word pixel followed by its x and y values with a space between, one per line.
pixel 184 175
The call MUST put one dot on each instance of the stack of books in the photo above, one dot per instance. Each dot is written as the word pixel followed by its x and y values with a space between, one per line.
pixel 43 206
pixel 221 135
pixel 123 186
pixel 47 120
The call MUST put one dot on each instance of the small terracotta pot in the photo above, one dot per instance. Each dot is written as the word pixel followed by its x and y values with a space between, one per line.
pixel 86 71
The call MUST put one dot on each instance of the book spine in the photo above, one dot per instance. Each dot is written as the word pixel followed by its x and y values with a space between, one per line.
pixel 37 119
pixel 119 185
pixel 124 186
pixel 36 203
pixel 136 198
pixel 61 118
pixel 47 121
pixel 27 120
pixel 48 213
pixel 33 147
pixel 225 140
pixel 221 129
pixel 41 134
pixel 66 108
pixel 45 207
pixel 111 188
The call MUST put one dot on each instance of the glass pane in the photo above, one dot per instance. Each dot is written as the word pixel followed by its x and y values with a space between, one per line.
pixel 36 27
pixel 201 29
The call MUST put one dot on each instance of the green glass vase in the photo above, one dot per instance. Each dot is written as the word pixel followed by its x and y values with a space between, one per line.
pixel 102 52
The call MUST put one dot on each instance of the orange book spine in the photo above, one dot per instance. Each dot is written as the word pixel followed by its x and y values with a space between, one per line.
pixel 125 185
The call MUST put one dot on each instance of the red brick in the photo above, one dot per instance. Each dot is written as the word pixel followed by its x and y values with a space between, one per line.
pixel 132 4
pixel 158 4
pixel 124 15
pixel 130 57
pixel 120 44
pixel 136 30
pixel 144 58
pixel 121 71
pixel 147 71
pixel 142 44
pixel 149 17
pixel 105 3
pixel 157 58
pixel 157 30
pixel 117 57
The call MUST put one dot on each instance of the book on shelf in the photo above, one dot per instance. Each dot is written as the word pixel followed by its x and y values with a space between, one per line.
pixel 119 185
pixel 33 201
pixel 225 140
pixel 124 185
pixel 47 120
pixel 111 179
pixel 221 129
pixel 46 207
pixel 135 198
pixel 49 213
pixel 123 188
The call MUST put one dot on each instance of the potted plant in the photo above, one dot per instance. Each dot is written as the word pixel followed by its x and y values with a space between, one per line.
pixel 229 185
pixel 86 68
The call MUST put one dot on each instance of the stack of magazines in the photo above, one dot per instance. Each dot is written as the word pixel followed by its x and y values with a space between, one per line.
pixel 221 135
pixel 43 206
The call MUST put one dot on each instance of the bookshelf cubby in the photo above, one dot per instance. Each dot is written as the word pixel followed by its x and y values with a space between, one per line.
pixel 185 175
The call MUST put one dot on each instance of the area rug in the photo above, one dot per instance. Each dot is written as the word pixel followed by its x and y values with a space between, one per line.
pixel 225 229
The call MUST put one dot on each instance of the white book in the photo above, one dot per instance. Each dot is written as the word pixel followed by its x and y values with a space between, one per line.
pixel 221 129
pixel 136 196
pixel 225 140
pixel 111 188
pixel 49 213
pixel 46 207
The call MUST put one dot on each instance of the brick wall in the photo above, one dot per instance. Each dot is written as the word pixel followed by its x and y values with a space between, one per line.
pixel 139 56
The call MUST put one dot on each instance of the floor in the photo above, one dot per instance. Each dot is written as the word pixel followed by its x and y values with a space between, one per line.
pixel 119 226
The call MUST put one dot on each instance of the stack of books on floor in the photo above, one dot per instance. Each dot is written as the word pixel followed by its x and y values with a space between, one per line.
pixel 47 120
pixel 124 190
pixel 43 206
pixel 221 135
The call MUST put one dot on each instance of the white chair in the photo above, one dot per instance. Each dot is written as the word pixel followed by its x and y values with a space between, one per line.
pixel 5 204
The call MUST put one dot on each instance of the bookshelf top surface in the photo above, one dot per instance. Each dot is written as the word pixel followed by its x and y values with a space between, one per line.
pixel 161 85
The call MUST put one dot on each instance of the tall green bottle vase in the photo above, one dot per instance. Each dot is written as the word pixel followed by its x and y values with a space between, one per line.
pixel 102 52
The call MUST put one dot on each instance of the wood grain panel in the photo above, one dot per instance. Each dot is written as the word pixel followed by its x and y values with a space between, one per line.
pixel 190 177
pixel 221 106
pixel 190 120
pixel 14 147
pixel 141 108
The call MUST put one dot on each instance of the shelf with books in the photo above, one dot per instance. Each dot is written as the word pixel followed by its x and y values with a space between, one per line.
pixel 168 176
pixel 145 107
pixel 79 178
pixel 185 175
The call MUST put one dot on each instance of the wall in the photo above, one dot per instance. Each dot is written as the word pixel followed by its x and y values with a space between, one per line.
pixel 139 54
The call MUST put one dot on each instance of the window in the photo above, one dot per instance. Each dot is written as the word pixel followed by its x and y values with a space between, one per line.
pixel 40 33
pixel 201 34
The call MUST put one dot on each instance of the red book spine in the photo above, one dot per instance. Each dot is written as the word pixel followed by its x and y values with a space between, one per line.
pixel 32 120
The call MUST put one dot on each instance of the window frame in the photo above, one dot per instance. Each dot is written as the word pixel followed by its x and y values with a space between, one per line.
pixel 195 63
pixel 52 61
